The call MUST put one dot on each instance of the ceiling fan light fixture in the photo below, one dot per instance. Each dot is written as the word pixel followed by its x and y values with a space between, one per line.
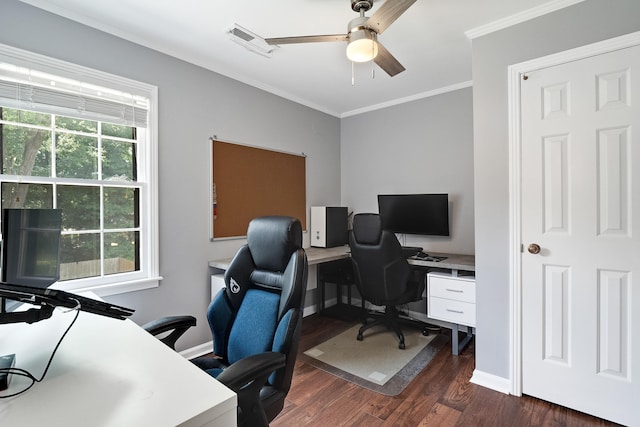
pixel 362 46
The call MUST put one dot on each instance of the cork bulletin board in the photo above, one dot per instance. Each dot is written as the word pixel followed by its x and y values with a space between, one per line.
pixel 248 182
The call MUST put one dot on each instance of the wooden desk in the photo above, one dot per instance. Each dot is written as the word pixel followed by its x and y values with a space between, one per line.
pixel 107 372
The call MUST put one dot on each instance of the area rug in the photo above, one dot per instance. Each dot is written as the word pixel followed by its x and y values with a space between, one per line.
pixel 376 363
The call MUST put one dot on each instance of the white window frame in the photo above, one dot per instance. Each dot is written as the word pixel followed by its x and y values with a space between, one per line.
pixel 147 175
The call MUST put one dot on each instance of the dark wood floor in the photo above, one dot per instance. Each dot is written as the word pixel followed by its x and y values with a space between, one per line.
pixel 441 395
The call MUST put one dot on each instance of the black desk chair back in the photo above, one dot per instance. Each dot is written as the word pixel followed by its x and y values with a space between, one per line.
pixel 382 274
pixel 256 319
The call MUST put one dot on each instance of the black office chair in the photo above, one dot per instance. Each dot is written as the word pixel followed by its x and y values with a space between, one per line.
pixel 382 274
pixel 256 319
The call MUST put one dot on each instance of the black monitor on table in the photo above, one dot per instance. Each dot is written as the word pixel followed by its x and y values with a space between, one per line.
pixel 30 248
pixel 425 214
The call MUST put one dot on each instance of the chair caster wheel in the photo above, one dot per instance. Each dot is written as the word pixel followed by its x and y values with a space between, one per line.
pixel 401 346
pixel 359 337
pixel 425 332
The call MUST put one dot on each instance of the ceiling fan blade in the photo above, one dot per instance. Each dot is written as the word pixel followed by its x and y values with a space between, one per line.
pixel 387 14
pixel 308 39
pixel 387 62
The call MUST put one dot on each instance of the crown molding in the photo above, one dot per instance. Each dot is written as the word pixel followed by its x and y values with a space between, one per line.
pixel 415 97
pixel 518 18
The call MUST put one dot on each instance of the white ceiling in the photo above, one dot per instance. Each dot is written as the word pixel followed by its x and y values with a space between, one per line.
pixel 428 39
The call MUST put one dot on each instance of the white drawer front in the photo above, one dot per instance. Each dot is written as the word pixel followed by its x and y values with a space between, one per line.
pixel 463 313
pixel 452 288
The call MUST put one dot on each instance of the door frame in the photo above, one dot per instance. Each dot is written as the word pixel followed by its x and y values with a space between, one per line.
pixel 515 73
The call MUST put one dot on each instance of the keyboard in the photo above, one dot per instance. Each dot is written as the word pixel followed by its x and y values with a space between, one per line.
pixel 430 258
pixel 409 251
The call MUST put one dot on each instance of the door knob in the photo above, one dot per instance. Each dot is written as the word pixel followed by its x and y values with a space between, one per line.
pixel 534 248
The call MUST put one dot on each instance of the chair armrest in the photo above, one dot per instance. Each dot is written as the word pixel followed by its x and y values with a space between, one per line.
pixel 246 377
pixel 178 325
pixel 253 368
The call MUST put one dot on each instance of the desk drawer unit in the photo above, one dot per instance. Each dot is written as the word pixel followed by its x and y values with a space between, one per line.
pixel 451 298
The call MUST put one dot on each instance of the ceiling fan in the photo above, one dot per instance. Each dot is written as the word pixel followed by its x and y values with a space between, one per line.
pixel 362 34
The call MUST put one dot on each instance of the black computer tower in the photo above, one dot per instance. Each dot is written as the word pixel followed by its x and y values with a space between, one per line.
pixel 329 226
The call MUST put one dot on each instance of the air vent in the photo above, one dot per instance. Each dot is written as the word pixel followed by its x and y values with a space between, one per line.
pixel 250 40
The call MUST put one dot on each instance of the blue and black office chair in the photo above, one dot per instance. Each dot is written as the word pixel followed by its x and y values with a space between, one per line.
pixel 382 274
pixel 256 319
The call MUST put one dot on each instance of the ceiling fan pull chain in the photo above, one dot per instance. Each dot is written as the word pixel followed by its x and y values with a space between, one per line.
pixel 353 74
pixel 373 64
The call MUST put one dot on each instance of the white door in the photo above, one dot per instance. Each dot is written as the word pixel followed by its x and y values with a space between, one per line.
pixel 581 206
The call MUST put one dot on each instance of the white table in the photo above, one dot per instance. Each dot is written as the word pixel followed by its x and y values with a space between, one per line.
pixel 107 372
pixel 453 262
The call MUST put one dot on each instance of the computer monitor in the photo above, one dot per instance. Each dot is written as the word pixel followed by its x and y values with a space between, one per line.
pixel 30 248
pixel 425 214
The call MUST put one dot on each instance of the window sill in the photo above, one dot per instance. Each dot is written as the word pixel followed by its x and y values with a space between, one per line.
pixel 122 287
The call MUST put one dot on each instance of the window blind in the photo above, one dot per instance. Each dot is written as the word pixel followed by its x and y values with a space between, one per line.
pixel 62 96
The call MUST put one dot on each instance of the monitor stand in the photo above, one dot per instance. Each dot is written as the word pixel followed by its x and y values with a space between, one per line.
pixel 6 362
pixel 45 300
pixel 28 316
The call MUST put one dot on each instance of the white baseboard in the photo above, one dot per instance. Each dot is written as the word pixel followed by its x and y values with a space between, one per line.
pixel 198 350
pixel 493 382
pixel 308 311
pixel 313 309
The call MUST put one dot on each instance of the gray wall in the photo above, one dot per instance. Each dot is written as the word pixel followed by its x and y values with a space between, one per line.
pixel 423 146
pixel 578 25
pixel 193 104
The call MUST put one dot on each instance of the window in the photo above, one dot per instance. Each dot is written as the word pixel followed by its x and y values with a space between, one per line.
pixel 84 142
